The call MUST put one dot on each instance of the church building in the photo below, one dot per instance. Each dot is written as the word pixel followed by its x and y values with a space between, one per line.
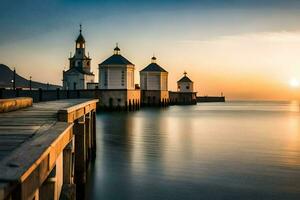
pixel 79 74
pixel 154 84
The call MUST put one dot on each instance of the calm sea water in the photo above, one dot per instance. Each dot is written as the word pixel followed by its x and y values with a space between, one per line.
pixel 234 150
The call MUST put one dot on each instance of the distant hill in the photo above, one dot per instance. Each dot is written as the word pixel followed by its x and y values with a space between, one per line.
pixel 6 76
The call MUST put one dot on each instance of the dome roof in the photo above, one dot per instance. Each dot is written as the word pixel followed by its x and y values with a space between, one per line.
pixel 116 59
pixel 153 67
pixel 185 79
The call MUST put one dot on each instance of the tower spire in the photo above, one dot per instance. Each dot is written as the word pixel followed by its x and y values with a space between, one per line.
pixel 184 73
pixel 80 28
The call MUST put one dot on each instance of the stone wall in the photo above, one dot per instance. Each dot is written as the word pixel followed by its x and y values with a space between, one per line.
pixel 210 99
pixel 108 99
pixel 154 98
pixel 183 98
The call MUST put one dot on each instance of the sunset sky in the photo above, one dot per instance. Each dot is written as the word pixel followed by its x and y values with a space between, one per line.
pixel 245 49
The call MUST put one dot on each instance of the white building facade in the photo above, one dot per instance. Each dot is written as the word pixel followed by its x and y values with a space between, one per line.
pixel 185 84
pixel 79 74
pixel 154 85
pixel 116 72
pixel 154 77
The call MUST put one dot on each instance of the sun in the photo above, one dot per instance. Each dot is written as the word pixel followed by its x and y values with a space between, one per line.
pixel 294 83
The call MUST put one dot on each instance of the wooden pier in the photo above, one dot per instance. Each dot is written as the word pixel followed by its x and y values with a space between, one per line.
pixel 45 148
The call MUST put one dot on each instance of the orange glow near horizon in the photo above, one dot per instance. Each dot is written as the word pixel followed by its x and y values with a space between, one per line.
pixel 262 66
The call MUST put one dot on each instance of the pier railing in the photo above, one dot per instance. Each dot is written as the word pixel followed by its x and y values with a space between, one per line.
pixel 45 148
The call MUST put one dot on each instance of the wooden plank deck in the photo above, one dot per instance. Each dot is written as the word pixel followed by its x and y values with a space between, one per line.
pixel 34 136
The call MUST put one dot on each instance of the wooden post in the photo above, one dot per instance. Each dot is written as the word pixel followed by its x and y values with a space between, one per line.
pixel 57 93
pixel 36 195
pixel 68 189
pixel 40 94
pixel 80 151
pixel 1 92
pixel 17 92
pixel 67 164
pixel 48 189
pixel 88 135
pixel 80 157
pixel 94 142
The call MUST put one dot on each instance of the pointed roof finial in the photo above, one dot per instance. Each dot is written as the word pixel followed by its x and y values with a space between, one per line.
pixel 153 59
pixel 117 49
pixel 80 38
pixel 184 73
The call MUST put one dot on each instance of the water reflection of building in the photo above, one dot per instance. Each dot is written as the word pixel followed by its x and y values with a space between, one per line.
pixel 79 74
pixel 154 84
pixel 185 94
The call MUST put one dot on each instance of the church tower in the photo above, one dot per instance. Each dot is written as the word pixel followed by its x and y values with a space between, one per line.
pixel 80 60
pixel 79 74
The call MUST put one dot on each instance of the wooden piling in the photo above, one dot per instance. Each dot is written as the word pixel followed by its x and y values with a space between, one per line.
pixel 80 151
pixel 94 142
pixel 67 163
pixel 88 136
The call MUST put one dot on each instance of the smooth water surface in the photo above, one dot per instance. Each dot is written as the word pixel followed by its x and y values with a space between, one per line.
pixel 234 150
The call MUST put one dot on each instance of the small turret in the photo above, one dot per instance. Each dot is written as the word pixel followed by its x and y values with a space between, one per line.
pixel 185 84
